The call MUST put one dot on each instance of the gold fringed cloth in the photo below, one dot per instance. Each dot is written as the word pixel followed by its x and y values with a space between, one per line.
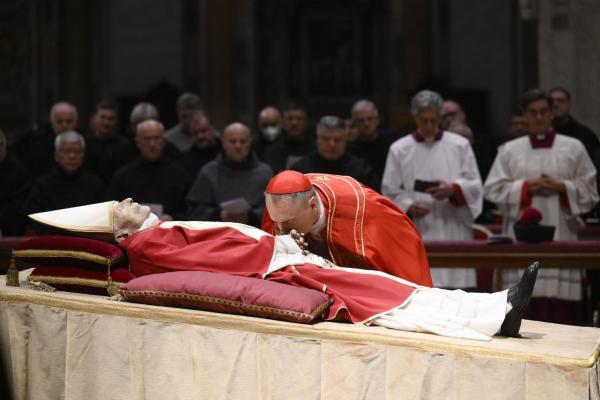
pixel 71 346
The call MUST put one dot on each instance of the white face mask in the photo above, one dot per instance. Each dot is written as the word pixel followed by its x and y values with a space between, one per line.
pixel 270 133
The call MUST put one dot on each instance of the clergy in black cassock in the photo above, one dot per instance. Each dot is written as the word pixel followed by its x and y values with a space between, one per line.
pixel 152 178
pixel 331 156
pixel 67 184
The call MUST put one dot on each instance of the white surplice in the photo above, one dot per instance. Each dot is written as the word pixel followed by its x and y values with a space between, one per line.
pixel 567 160
pixel 450 159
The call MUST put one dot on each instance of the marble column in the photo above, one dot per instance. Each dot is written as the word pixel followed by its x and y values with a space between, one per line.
pixel 569 54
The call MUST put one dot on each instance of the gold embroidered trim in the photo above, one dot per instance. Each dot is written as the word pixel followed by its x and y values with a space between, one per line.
pixel 80 255
pixel 60 280
pixel 360 209
pixel 358 228
pixel 319 331
pixel 332 205
pixel 137 295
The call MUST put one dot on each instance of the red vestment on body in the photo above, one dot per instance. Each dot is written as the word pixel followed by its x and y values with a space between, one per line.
pixel 245 251
pixel 366 230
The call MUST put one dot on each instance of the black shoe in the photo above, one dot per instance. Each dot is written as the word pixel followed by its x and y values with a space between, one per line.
pixel 518 297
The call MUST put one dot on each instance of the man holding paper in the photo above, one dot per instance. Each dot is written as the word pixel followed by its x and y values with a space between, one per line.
pixel 230 188
pixel 432 175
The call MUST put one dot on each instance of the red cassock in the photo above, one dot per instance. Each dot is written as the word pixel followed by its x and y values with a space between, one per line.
pixel 172 247
pixel 366 230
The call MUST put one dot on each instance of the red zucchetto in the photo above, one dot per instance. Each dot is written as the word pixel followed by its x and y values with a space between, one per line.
pixel 287 182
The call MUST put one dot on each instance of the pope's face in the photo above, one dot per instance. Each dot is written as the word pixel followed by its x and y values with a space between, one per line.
pixel 129 215
pixel 288 214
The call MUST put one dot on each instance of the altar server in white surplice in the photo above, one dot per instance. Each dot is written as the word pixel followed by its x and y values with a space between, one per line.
pixel 550 172
pixel 432 175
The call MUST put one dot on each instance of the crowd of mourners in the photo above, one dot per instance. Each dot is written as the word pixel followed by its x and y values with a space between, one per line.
pixel 192 171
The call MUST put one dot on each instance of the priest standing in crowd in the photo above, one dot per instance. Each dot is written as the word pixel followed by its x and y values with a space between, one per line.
pixel 553 173
pixel 372 143
pixel 67 184
pixel 296 141
pixel 230 188
pixel 205 147
pixel 152 177
pixel 432 175
pixel 331 156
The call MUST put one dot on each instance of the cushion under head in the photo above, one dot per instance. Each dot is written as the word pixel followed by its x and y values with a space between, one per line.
pixel 81 280
pixel 69 251
pixel 227 294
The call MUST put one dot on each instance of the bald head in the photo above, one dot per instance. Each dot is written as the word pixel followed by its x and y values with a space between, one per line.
pixel 150 139
pixel 237 142
pixel 63 117
pixel 150 124
pixel 269 116
pixel 236 128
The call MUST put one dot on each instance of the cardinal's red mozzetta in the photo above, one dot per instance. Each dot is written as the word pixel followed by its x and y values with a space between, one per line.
pixel 363 229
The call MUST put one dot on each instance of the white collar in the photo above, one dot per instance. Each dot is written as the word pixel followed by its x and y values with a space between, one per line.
pixel 149 222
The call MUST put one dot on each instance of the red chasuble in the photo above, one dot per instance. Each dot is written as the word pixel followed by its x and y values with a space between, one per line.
pixel 366 230
pixel 178 248
pixel 227 250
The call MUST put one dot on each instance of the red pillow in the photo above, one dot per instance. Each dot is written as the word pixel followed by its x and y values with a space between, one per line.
pixel 80 280
pixel 69 250
pixel 228 294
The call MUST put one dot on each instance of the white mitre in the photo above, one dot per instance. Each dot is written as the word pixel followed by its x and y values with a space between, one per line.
pixel 92 220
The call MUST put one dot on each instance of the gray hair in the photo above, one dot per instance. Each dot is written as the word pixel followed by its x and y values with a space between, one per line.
pixel 141 112
pixel 56 105
pixel 69 136
pixel 363 104
pixel 189 100
pixel 426 99
pixel 331 122
pixel 294 197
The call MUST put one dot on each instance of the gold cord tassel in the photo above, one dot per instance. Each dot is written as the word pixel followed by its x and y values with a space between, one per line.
pixel 116 297
pixel 112 288
pixel 12 275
